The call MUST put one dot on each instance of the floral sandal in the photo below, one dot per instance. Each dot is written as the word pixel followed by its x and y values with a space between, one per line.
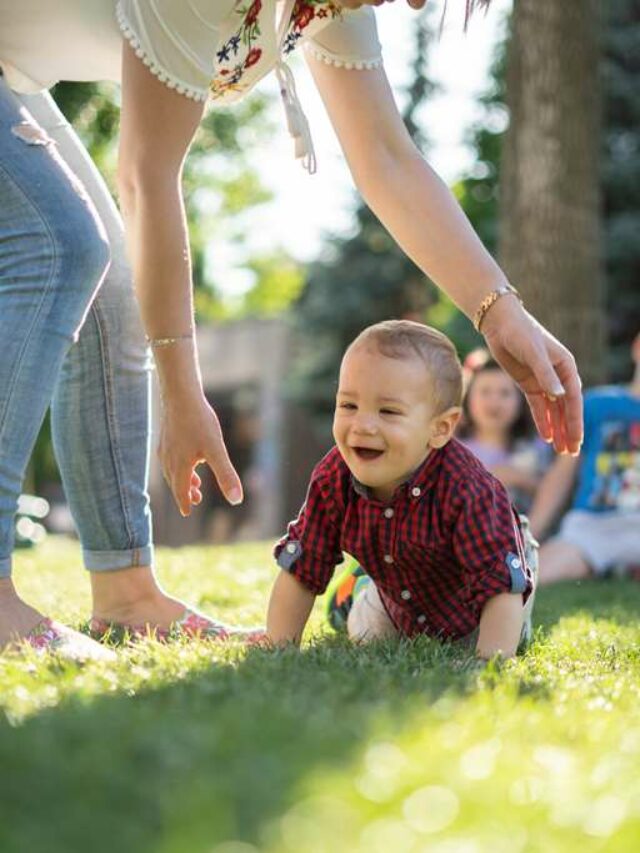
pixel 191 625
pixel 50 636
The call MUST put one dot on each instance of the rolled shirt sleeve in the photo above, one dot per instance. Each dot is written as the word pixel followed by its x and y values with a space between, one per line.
pixel 310 550
pixel 350 41
pixel 488 544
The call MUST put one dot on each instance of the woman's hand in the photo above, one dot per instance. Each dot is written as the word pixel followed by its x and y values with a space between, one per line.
pixel 544 369
pixel 190 435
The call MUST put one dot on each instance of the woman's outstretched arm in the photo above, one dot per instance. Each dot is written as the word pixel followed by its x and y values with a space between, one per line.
pixel 422 215
pixel 157 126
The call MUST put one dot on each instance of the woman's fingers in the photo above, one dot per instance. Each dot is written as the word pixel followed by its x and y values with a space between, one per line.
pixel 226 475
pixel 556 416
pixel 184 446
pixel 545 370
pixel 539 406
pixel 573 410
pixel 564 410
pixel 181 487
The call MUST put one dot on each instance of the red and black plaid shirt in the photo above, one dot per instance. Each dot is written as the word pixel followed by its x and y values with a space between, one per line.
pixel 448 541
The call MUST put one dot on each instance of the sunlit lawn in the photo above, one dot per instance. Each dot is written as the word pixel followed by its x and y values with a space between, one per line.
pixel 395 748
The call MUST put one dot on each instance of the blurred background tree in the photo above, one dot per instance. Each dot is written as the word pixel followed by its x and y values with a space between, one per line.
pixel 618 172
pixel 549 237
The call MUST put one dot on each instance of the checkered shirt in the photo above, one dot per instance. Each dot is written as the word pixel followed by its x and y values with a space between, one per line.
pixel 447 542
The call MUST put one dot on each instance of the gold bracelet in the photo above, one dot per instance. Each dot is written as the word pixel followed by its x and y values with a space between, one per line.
pixel 490 300
pixel 167 342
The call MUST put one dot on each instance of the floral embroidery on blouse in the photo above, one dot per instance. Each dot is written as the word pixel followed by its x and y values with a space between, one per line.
pixel 232 64
pixel 303 13
pixel 240 52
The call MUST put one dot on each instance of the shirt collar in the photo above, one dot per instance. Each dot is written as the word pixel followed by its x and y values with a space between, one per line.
pixel 422 479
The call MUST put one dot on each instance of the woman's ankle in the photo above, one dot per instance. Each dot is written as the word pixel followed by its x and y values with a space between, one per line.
pixel 132 596
pixel 17 618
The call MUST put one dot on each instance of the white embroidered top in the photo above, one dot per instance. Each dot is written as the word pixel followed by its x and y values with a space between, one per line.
pixel 216 49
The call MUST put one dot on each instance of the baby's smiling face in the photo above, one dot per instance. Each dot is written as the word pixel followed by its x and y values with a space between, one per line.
pixel 385 421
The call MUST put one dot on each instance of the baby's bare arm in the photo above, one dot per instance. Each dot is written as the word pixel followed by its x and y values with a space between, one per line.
pixel 289 608
pixel 500 626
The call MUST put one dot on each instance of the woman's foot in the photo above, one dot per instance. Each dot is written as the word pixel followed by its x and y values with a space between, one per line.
pixel 23 626
pixel 191 624
pixel 50 636
pixel 17 618
pixel 129 601
pixel 133 597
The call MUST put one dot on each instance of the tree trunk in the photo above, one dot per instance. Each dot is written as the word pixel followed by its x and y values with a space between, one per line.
pixel 549 184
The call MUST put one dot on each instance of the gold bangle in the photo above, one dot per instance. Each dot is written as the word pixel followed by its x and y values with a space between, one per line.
pixel 167 342
pixel 490 300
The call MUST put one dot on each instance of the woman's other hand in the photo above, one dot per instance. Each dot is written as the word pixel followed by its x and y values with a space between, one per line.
pixel 544 369
pixel 189 436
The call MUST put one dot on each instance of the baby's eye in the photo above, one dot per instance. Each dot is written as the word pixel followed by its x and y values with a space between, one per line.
pixel 390 412
pixel 350 406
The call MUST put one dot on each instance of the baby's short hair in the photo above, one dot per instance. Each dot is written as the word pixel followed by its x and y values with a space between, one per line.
pixel 407 339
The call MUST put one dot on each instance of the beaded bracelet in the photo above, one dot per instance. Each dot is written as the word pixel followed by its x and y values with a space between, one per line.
pixel 167 342
pixel 490 300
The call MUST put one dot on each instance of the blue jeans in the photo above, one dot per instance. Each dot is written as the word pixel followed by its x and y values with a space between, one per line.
pixel 70 337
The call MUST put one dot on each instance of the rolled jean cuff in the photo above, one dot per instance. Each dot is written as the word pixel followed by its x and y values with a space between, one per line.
pixel 5 567
pixel 105 561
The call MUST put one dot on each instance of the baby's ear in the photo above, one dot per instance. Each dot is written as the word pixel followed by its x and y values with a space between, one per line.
pixel 444 425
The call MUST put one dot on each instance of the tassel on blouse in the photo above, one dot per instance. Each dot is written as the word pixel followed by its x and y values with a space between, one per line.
pixel 297 123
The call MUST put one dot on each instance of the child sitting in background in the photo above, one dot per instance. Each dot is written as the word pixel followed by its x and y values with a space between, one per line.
pixel 497 428
pixel 602 529
pixel 434 531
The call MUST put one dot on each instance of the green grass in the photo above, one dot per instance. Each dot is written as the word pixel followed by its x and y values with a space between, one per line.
pixel 396 748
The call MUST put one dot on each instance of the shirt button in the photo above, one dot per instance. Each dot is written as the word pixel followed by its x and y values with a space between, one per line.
pixel 516 563
pixel 416 491
pixel 388 513
pixel 291 548
pixel 405 594
pixel 422 619
pixel 388 558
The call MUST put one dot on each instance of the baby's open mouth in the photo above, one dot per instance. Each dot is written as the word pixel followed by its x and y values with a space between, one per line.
pixel 367 453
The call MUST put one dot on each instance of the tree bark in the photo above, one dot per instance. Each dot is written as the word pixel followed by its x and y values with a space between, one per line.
pixel 550 244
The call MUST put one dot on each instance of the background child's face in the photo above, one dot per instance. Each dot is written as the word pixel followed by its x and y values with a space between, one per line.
pixel 494 401
pixel 383 417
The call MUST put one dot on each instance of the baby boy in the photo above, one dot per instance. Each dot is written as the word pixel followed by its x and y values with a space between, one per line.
pixel 440 548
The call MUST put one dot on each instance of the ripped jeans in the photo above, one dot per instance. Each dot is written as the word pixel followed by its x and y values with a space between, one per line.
pixel 70 337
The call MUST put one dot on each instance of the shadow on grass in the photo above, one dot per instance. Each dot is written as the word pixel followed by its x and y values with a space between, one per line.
pixel 217 756
pixel 224 753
